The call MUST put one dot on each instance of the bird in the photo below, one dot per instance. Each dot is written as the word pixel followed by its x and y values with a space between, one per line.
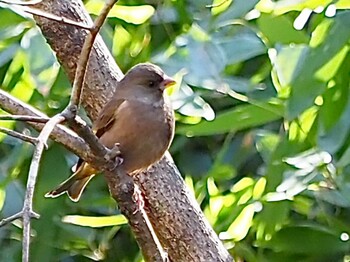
pixel 139 118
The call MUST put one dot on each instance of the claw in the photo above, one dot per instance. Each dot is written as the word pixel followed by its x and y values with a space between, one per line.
pixel 114 155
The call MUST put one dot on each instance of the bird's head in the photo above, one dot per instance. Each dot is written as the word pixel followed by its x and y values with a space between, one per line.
pixel 146 80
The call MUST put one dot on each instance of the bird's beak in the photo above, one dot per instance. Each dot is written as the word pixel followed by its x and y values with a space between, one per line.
pixel 167 82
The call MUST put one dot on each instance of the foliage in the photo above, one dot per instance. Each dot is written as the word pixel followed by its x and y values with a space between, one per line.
pixel 263 109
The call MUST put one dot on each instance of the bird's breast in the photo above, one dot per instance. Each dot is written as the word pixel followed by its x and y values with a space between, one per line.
pixel 144 132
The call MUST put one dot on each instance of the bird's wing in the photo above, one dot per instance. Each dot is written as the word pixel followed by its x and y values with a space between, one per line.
pixel 107 117
pixel 103 122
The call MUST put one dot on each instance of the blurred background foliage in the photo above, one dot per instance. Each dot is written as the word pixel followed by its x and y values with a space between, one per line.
pixel 263 127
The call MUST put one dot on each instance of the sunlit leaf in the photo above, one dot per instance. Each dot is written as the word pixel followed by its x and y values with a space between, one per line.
pixel 131 14
pixel 242 184
pixel 240 226
pixel 279 29
pixel 2 198
pixel 288 62
pixel 306 86
pixel 95 221
pixel 237 9
pixel 218 6
pixel 299 129
pixel 259 188
pixel 281 7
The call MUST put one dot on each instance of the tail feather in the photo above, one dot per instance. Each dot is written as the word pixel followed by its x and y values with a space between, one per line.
pixel 74 185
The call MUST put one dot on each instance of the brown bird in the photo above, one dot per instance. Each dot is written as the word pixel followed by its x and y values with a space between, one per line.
pixel 138 117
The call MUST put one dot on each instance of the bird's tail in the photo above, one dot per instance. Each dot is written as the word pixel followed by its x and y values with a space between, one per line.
pixel 75 184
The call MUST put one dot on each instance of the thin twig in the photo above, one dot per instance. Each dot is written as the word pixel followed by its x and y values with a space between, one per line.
pixel 36 119
pixel 18 135
pixel 27 210
pixel 27 7
pixel 21 3
pixel 85 54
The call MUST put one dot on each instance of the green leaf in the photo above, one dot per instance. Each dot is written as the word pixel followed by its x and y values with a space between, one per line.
pixel 9 18
pixel 306 86
pixel 39 53
pixel 332 139
pixel 334 114
pixel 239 118
pixel 288 62
pixel 279 29
pixel 189 103
pixel 307 240
pixel 266 143
pixel 240 46
pixel 271 218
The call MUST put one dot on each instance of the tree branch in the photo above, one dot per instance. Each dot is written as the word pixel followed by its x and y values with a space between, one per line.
pixel 85 54
pixel 26 7
pixel 27 210
pixel 15 134
pixel 36 119
pixel 60 134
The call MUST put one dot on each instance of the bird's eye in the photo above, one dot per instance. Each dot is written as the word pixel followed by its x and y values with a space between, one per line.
pixel 151 83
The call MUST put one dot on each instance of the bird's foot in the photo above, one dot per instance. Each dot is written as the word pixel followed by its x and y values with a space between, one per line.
pixel 138 199
pixel 114 155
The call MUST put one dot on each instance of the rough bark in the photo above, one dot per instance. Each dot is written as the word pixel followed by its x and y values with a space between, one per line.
pixel 176 217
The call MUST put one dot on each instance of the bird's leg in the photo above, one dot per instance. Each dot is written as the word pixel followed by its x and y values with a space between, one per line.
pixel 138 199
pixel 114 155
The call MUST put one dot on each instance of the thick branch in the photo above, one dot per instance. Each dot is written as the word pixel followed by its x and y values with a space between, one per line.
pixel 180 224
